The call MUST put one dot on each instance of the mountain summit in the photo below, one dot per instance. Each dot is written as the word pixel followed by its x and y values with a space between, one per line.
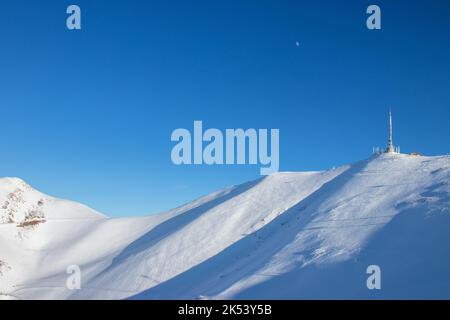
pixel 288 235
pixel 21 204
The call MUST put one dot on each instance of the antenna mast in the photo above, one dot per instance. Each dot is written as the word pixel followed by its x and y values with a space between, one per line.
pixel 390 148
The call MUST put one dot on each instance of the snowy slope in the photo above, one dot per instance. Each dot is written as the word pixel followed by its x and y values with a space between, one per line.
pixel 288 235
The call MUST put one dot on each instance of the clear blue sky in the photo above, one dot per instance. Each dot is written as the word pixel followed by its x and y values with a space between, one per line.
pixel 87 115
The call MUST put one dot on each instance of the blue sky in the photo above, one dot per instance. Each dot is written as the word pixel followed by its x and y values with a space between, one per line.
pixel 87 115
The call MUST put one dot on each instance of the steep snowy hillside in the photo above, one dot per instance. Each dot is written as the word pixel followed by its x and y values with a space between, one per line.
pixel 288 235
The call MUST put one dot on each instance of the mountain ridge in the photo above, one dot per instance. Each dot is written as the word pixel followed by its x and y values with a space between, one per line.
pixel 288 235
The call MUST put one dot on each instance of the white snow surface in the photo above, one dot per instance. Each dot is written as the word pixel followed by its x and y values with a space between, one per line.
pixel 291 235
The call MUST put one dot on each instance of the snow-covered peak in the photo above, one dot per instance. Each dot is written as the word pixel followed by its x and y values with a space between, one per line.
pixel 23 205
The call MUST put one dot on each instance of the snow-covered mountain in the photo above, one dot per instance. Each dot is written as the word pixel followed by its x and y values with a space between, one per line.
pixel 288 235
